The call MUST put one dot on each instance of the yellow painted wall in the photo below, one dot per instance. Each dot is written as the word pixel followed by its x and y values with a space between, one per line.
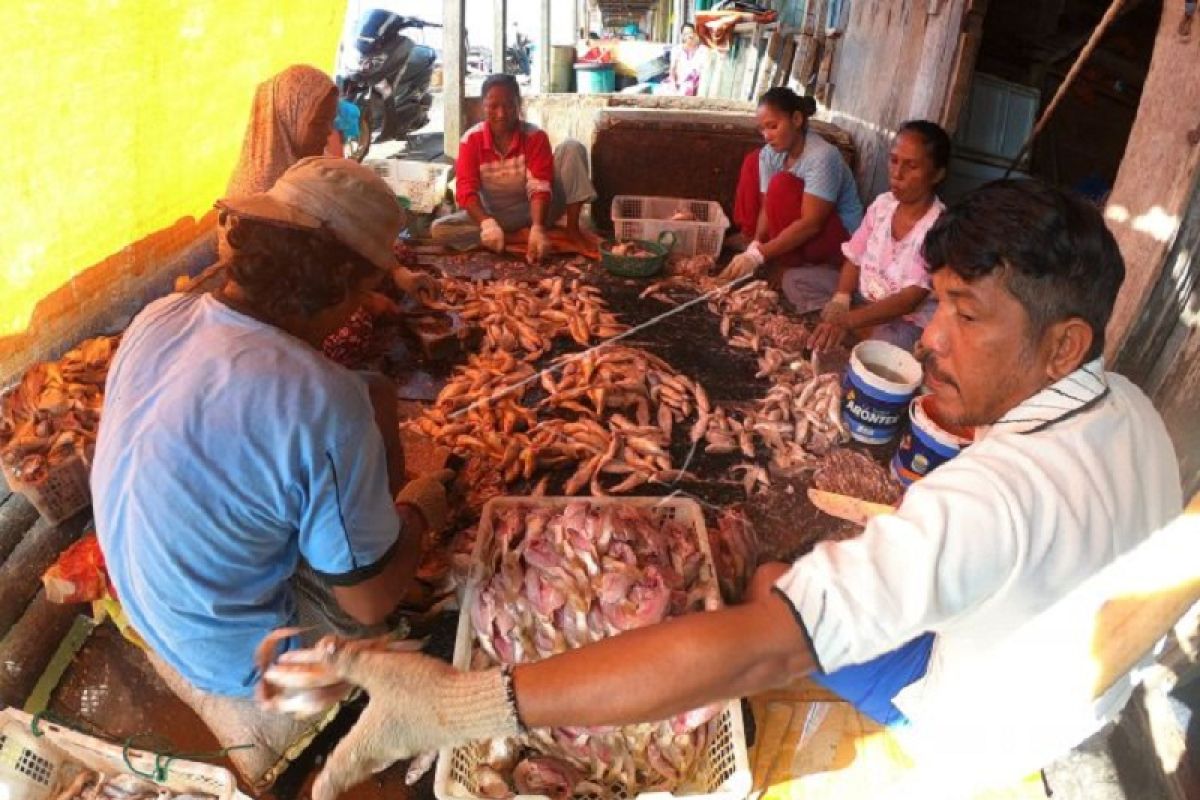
pixel 124 117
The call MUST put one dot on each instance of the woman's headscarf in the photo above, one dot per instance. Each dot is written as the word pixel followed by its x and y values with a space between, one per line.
pixel 283 110
pixel 279 120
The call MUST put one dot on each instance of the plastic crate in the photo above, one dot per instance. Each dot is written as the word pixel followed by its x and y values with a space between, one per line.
pixel 723 769
pixel 38 762
pixel 638 217
pixel 65 490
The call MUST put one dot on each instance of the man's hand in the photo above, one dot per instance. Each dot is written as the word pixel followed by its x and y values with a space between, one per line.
pixel 539 245
pixel 827 336
pixel 417 704
pixel 427 494
pixel 415 283
pixel 837 308
pixel 742 264
pixel 491 235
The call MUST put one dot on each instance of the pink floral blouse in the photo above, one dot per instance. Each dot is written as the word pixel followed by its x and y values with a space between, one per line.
pixel 887 266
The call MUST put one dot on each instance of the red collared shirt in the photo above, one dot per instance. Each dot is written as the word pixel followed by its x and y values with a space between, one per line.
pixel 527 169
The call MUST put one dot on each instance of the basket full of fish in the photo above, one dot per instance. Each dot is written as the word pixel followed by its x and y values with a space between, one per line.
pixel 48 427
pixel 556 573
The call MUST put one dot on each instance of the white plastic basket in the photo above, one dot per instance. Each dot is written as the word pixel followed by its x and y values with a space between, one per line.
pixel 723 770
pixel 32 766
pixel 638 217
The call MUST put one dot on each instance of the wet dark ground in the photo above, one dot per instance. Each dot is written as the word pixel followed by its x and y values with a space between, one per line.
pixel 110 689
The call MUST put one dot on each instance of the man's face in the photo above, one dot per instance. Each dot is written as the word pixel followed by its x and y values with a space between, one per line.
pixel 981 358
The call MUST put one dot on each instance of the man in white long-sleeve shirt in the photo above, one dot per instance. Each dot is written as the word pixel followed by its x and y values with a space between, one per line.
pixel 951 618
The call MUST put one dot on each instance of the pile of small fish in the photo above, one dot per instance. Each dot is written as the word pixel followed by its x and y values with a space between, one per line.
pixel 853 474
pixel 750 319
pixel 528 317
pixel 609 411
pixel 54 413
pixel 88 784
pixel 562 578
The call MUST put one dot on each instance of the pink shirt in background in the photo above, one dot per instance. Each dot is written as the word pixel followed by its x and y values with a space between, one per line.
pixel 887 266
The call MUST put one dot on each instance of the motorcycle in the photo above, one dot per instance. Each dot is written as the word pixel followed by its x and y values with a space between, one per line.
pixel 390 81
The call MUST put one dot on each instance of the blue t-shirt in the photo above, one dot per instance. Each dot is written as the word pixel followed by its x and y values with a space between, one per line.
pixel 824 172
pixel 228 451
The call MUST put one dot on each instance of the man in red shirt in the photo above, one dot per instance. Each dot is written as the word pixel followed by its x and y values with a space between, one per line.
pixel 509 179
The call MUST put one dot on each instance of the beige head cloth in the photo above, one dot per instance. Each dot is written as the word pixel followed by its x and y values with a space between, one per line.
pixel 283 108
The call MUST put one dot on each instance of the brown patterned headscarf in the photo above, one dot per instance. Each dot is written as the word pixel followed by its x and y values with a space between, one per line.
pixel 283 110
pixel 280 118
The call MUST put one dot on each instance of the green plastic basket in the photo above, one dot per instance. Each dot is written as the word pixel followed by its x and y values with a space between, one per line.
pixel 637 266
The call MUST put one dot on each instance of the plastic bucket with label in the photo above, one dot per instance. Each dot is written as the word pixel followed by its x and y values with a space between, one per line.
pixel 880 381
pixel 927 445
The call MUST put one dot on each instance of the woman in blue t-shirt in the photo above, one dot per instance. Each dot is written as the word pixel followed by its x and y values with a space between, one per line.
pixel 796 198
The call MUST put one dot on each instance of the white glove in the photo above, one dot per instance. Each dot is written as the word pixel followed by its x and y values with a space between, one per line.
pixel 539 246
pixel 417 704
pixel 742 264
pixel 836 308
pixel 415 283
pixel 492 235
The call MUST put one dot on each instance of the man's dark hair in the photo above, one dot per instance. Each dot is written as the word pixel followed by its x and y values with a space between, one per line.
pixel 501 79
pixel 1051 248
pixel 286 272
pixel 933 136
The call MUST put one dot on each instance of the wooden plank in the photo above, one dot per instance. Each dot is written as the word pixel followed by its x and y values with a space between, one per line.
pixel 454 65
pixel 770 64
pixel 783 70
pixel 756 60
pixel 939 53
pixel 823 90
pixel 802 63
pixel 30 645
pixel 21 573
pixel 812 63
pixel 17 516
pixel 499 33
pixel 543 52
pixel 964 68
pixel 752 61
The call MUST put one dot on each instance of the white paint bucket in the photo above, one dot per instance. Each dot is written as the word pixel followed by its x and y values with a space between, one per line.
pixel 880 381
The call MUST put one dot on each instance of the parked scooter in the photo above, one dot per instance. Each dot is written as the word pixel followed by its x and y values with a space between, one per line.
pixel 390 83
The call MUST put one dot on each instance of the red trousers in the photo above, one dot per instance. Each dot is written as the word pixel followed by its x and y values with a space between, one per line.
pixel 783 201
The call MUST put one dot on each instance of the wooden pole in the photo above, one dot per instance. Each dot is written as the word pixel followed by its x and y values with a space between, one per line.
pixel 1113 12
pixel 454 66
pixel 544 50
pixel 499 34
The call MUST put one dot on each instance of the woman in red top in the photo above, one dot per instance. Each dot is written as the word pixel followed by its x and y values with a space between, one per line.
pixel 508 179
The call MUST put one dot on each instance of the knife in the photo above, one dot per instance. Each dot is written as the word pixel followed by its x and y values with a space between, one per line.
pixel 848 508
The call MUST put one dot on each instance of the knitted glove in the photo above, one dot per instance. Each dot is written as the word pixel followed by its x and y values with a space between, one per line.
pixel 417 704
pixel 538 246
pixel 414 283
pixel 492 235
pixel 836 308
pixel 427 494
pixel 743 264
